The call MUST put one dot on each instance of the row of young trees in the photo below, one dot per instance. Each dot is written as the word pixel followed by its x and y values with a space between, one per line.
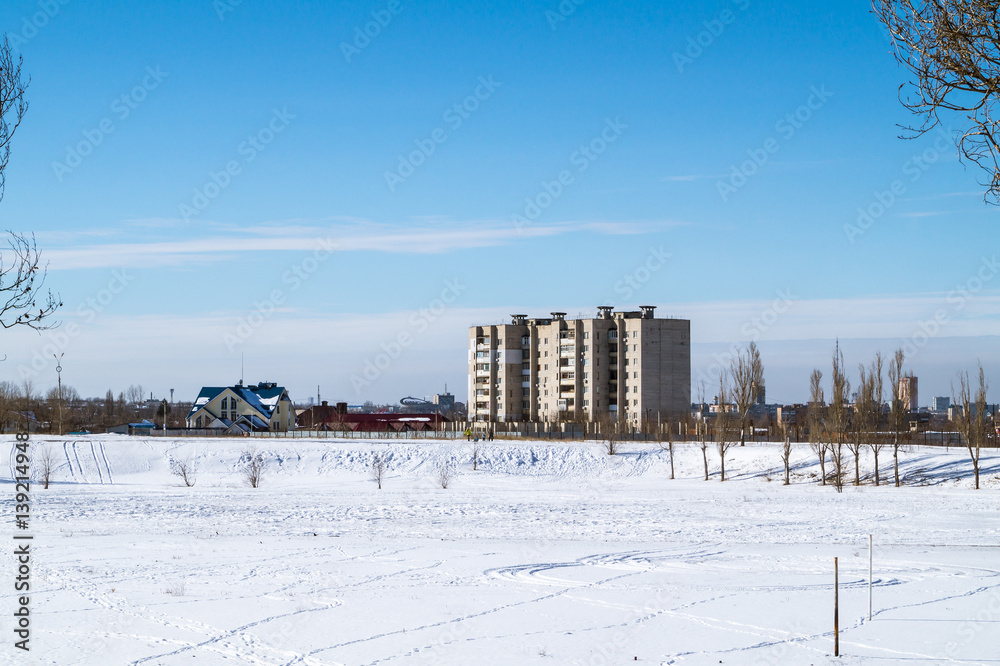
pixel 837 428
pixel 20 403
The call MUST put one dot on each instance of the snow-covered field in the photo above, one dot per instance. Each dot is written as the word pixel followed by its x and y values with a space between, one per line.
pixel 550 553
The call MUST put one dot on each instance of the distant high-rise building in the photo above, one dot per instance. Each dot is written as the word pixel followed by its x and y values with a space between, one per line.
pixel 942 404
pixel 626 364
pixel 908 392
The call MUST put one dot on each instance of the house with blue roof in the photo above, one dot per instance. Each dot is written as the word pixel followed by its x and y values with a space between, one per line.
pixel 241 409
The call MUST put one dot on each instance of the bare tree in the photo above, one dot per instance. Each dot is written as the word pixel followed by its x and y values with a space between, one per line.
pixel 837 416
pixel 185 470
pixel 971 419
pixel 726 423
pixel 897 411
pixel 786 453
pixel 8 404
pixel 379 465
pixel 444 475
pixel 669 448
pixel 748 381
pixel 818 438
pixel 950 48
pixel 135 395
pixel 27 397
pixel 874 396
pixel 702 428
pixel 24 301
pixel 44 463
pixel 611 431
pixel 253 465
pixel 13 105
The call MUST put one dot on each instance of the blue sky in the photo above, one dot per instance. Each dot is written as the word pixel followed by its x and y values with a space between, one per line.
pixel 211 180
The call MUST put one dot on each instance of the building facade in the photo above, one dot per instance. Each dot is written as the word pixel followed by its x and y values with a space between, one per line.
pixel 238 409
pixel 627 365
pixel 907 393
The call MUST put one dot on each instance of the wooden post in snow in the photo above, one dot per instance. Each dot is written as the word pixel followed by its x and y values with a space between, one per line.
pixel 836 611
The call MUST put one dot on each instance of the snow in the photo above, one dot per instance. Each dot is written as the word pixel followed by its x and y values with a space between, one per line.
pixel 269 402
pixel 550 553
pixel 201 401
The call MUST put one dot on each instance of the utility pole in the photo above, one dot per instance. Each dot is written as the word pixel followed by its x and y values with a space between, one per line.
pixel 59 375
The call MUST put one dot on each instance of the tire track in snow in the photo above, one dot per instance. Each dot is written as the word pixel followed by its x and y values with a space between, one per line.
pixel 97 463
pixel 69 461
pixel 247 639
pixel 13 449
pixel 76 455
pixel 107 465
pixel 456 620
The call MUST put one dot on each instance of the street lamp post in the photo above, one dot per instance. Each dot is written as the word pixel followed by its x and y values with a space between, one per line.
pixel 59 375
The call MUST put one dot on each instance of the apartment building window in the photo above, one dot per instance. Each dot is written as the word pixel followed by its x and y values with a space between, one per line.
pixel 546 341
pixel 586 334
pixel 635 389
pixel 546 391
pixel 545 354
pixel 525 405
pixel 525 391
pixel 546 366
pixel 635 334
pixel 586 403
pixel 635 403
pixel 585 362
pixel 635 347
pixel 635 375
pixel 586 349
pixel 585 376
pixel 526 366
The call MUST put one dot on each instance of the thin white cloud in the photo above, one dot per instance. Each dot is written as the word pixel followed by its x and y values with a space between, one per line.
pixel 357 237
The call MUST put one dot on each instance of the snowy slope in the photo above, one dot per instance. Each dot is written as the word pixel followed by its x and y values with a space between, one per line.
pixel 550 553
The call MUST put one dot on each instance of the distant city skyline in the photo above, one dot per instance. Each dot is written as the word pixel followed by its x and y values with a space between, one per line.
pixel 312 186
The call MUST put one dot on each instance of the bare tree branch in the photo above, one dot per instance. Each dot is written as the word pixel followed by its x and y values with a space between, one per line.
pixel 952 51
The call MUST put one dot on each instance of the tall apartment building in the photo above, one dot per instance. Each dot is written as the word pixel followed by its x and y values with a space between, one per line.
pixel 627 364
pixel 907 393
